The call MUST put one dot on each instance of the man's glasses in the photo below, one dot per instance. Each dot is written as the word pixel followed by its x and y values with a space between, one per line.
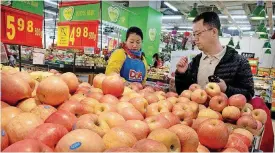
pixel 199 33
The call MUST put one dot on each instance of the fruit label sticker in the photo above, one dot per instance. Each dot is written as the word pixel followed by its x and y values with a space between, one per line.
pixel 47 107
pixel 74 127
pixel 75 145
pixel 113 13
pixel 3 133
pixel 68 13
pixel 152 34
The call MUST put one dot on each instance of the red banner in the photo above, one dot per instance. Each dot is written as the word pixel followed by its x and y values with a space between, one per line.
pixel 20 27
pixel 77 34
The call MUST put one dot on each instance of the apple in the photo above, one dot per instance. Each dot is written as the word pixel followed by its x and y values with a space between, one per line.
pixel 235 142
pixel 172 118
pixel 113 85
pixel 188 137
pixel 131 113
pixel 202 149
pixel 231 113
pixel 139 85
pixel 246 111
pixel 28 104
pixel 209 113
pixel 260 115
pixel 91 122
pixel 188 106
pixel 109 120
pixel 43 111
pixel 199 96
pixel 218 103
pixel 95 95
pixel 155 122
pixel 230 150
pixel 127 91
pixel 196 122
pixel 171 94
pixel 77 97
pixel 237 100
pixel 151 98
pixel 84 84
pixel 28 145
pixel 224 95
pixel 245 140
pixel 231 127
pixel 4 140
pixel 121 105
pixel 140 129
pixel 247 122
pixel 48 133
pixel 155 109
pixel 149 89
pixel 167 137
pixel 148 145
pixel 3 105
pixel 201 107
pixel 119 137
pixel 185 116
pixel 89 105
pixel 194 87
pixel 95 90
pixel 124 99
pixel 121 149
pixel 62 117
pixel 213 134
pixel 213 89
pixel 98 79
pixel 186 94
pixel 244 132
pixel 80 140
pixel 172 100
pixel 248 105
pixel 259 125
pixel 8 113
pixel 109 99
pixel 104 107
pixel 140 104
pixel 165 103
pixel 182 100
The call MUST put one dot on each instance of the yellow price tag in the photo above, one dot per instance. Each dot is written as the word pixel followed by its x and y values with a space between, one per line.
pixel 63 33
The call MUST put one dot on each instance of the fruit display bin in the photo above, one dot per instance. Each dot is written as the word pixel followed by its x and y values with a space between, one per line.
pixel 255 147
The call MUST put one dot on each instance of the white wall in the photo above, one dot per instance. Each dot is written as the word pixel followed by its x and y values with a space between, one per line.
pixel 254 45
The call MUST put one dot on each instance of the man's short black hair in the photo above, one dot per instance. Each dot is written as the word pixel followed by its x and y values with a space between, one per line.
pixel 209 18
pixel 135 30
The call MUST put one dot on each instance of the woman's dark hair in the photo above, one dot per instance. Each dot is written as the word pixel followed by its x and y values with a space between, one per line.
pixel 135 30
pixel 156 55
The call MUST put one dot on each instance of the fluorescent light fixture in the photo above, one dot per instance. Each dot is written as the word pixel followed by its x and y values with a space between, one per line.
pixel 185 27
pixel 167 27
pixel 51 2
pixel 272 16
pixel 170 6
pixel 50 12
pixel 223 16
pixel 239 16
pixel 184 31
pixel 242 28
pixel 232 28
pixel 51 19
pixel 171 17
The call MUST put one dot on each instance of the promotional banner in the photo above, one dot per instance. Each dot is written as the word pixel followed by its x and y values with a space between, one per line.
pixel 35 7
pixel 77 34
pixel 20 27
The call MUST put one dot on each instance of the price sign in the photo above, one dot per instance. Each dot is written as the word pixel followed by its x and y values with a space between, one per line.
pixel 77 34
pixel 20 27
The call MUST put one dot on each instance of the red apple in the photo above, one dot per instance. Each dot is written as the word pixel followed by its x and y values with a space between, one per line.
pixel 230 150
pixel 74 107
pixel 259 125
pixel 28 145
pixel 104 107
pixel 131 113
pixel 171 94
pixel 95 95
pixel 245 133
pixel 151 98
pixel 213 134
pixel 98 79
pixel 213 89
pixel 4 139
pixel 196 122
pixel 235 142
pixel 121 149
pixel 62 117
pixel 155 109
pixel 247 121
pixel 199 96
pixel 218 103
pixel 148 145
pixel 237 100
pixel 231 113
pixel 194 87
pixel 182 100
pixel 186 94
pixel 139 128
pixel 155 122
pixel 172 100
pixel 140 104
pixel 8 113
pixel 202 149
pixel 172 118
pixel 259 115
pixel 209 113
pixel 88 105
pixel 113 85
pixel 48 133
pixel 109 99
pixel 43 111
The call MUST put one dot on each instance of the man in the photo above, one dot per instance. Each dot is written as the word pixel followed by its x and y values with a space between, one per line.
pixel 224 62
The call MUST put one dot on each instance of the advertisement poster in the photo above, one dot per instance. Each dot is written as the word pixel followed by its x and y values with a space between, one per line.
pixel 112 44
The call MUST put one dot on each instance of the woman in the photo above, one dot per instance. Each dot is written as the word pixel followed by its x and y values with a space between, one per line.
pixel 157 61
pixel 128 60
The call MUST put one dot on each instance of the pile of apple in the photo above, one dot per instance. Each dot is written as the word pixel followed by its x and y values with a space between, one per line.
pixel 57 113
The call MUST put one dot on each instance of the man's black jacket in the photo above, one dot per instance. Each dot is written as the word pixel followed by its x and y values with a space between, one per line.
pixel 233 68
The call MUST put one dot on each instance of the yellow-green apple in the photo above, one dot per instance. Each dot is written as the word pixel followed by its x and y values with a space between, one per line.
pixel 140 104
pixel 127 90
pixel 188 137
pixel 244 132
pixel 171 94
pixel 260 115
pixel 246 111
pixel 109 120
pixel 194 87
pixel 194 107
pixel 218 103
pixel 28 104
pixel 119 137
pixel 248 122
pixel 196 122
pixel 148 145
pixel 237 100
pixel 98 79
pixel 202 149
pixel 199 96
pixel 121 149
pixel 73 107
pixel 122 105
pixel 213 134
pixel 89 104
pixel 43 111
pixel 234 141
pixel 231 113
pixel 131 113
pixel 139 128
pixel 248 105
pixel 167 137
pixel 213 89
pixel 151 98
pixel 155 109
pixel 155 122
pixel 182 100
pixel 104 107
pixel 160 96
pixel 79 140
pixel 209 113
pixel 91 122
pixel 172 118
pixel 172 100
pixel 8 113
pixel 186 94
pixel 165 103
pixel 109 99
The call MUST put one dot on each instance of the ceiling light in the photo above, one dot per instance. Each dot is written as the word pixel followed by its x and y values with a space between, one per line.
pixel 185 27
pixel 167 27
pixel 239 16
pixel 193 13
pixel 223 16
pixel 51 19
pixel 170 6
pixel 242 28
pixel 171 17
pixel 259 12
